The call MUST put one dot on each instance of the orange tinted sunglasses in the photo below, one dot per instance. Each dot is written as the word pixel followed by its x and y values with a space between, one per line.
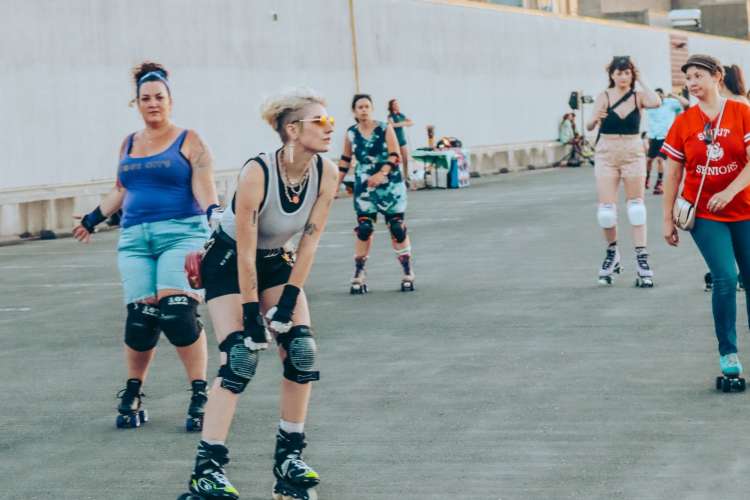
pixel 321 120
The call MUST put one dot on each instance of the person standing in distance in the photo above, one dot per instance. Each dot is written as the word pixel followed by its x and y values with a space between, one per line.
pixel 620 157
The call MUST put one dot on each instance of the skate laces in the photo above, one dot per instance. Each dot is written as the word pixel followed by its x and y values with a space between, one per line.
pixel 642 259
pixel 609 259
pixel 130 394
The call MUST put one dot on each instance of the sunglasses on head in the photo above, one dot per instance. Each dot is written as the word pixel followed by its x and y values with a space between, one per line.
pixel 321 120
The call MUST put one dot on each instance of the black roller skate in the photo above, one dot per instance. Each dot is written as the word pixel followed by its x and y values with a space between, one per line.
pixel 644 276
pixel 359 280
pixel 295 480
pixel 730 379
pixel 610 266
pixel 194 422
pixel 208 480
pixel 132 414
pixel 407 280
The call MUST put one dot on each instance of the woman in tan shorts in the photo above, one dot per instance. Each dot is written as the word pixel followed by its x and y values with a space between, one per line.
pixel 620 156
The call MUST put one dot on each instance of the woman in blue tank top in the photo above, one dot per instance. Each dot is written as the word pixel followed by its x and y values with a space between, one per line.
pixel 165 188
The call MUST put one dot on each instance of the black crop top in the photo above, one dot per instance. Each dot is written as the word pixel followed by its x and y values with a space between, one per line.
pixel 614 124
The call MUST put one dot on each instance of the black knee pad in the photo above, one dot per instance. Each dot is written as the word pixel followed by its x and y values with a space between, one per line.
pixel 142 327
pixel 364 228
pixel 241 363
pixel 301 353
pixel 179 319
pixel 398 228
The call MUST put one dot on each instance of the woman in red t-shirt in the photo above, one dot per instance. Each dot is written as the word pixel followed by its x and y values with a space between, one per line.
pixel 722 224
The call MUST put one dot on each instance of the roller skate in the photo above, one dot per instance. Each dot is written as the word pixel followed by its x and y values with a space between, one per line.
pixel 295 480
pixel 659 187
pixel 132 414
pixel 407 280
pixel 708 282
pixel 194 422
pixel 208 480
pixel 359 280
pixel 610 266
pixel 730 379
pixel 644 276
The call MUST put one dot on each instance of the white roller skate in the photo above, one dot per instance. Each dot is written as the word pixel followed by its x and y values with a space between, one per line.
pixel 644 276
pixel 610 266
pixel 359 280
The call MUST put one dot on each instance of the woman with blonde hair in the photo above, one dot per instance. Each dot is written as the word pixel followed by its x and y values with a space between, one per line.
pixel 254 283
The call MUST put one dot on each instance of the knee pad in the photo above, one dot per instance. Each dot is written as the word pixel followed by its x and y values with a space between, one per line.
pixel 142 327
pixel 241 363
pixel 398 229
pixel 179 319
pixel 301 353
pixel 636 212
pixel 606 214
pixel 364 228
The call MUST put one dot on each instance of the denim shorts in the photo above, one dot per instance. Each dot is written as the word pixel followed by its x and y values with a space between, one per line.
pixel 151 255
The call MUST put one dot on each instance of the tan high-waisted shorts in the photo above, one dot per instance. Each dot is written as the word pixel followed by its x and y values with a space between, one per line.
pixel 620 156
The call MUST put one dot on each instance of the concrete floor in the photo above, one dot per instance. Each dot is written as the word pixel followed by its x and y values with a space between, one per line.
pixel 508 375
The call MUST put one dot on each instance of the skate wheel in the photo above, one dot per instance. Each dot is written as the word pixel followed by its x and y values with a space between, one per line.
pixel 287 493
pixel 718 383
pixel 726 385
pixel 407 286
pixel 605 281
pixel 143 415
pixel 128 421
pixel 741 384
pixel 194 424
pixel 189 496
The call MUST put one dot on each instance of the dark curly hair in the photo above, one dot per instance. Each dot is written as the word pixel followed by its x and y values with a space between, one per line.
pixel 147 67
pixel 621 63
pixel 357 97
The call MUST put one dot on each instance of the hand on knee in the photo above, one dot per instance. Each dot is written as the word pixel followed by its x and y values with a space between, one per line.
pixel 240 365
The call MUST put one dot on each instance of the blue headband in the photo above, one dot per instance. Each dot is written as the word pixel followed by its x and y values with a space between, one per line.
pixel 150 77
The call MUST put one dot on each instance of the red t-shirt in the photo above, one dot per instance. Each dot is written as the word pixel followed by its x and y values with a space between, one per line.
pixel 684 144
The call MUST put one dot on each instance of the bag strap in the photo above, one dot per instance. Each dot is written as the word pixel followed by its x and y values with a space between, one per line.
pixel 708 152
pixel 621 100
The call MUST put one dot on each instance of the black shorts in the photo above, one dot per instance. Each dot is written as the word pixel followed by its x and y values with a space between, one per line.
pixel 654 148
pixel 219 267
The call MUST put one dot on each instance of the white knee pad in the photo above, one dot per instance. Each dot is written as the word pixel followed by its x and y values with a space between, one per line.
pixel 637 212
pixel 606 214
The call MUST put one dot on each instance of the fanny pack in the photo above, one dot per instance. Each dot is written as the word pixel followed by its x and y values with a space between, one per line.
pixel 683 212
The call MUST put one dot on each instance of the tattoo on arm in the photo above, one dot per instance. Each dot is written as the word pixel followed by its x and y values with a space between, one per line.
pixel 202 158
pixel 310 228
pixel 255 218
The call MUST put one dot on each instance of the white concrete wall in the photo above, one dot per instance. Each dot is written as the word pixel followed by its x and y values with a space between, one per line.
pixel 487 75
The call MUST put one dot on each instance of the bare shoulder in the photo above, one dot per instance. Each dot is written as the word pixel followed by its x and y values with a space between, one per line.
pixel 252 172
pixel 330 169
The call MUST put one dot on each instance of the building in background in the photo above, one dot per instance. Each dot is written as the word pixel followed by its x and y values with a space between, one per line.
pixel 716 17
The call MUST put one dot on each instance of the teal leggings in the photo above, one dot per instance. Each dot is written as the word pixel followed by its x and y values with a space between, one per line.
pixel 722 244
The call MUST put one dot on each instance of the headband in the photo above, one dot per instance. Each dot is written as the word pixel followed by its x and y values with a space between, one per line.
pixel 150 77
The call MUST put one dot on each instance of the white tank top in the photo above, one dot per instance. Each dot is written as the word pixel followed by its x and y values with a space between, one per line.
pixel 276 227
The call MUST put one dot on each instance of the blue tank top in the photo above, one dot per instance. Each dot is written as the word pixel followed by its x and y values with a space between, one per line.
pixel 158 187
